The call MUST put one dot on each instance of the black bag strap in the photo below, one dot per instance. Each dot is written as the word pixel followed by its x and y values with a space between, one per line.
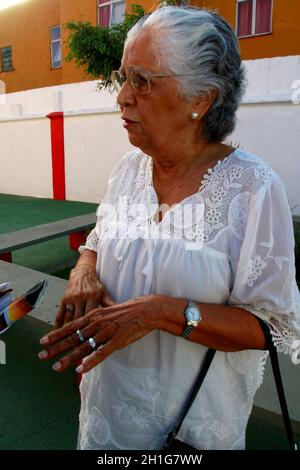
pixel 278 380
pixel 279 384
pixel 203 371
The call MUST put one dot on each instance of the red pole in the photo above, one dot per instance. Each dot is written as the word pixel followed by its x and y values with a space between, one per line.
pixel 6 257
pixel 58 155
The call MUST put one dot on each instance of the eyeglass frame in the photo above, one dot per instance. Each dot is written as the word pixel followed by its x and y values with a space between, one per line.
pixel 144 73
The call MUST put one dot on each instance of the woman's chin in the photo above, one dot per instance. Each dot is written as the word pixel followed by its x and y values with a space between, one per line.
pixel 135 140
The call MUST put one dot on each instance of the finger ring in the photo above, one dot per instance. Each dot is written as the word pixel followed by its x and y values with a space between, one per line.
pixel 92 343
pixel 79 334
pixel 70 307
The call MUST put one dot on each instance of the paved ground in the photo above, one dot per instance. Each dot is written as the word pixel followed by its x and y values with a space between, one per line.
pixel 268 433
pixel 60 413
pixel 40 413
pixel 39 409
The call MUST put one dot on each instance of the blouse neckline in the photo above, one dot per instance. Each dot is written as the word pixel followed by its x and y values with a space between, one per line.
pixel 204 182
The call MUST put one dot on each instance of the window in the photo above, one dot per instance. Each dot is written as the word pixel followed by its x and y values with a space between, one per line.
pixel 110 12
pixel 5 59
pixel 254 17
pixel 55 47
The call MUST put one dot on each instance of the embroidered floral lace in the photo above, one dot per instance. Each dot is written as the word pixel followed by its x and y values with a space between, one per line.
pixel 240 252
pixel 244 197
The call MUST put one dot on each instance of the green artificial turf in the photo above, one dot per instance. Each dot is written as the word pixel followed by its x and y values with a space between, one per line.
pixel 54 256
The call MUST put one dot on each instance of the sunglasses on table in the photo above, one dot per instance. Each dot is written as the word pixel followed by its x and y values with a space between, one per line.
pixel 139 79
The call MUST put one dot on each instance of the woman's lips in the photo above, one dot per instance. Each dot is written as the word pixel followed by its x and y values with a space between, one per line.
pixel 128 122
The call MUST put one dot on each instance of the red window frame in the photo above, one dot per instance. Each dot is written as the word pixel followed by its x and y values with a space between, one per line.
pixel 106 8
pixel 253 17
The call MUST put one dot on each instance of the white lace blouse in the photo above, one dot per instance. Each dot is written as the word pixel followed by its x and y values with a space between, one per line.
pixel 240 252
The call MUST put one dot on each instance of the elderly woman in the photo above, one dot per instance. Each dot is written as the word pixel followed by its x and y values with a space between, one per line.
pixel 193 243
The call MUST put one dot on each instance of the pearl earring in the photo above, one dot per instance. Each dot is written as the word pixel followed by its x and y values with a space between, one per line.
pixel 194 116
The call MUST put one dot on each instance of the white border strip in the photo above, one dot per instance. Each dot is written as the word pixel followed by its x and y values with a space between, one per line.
pixel 251 100
pixel 78 112
pixel 268 99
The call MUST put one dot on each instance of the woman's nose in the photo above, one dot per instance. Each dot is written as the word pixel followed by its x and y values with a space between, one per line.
pixel 126 96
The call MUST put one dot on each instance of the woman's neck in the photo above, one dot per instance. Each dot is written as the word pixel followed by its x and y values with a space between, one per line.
pixel 169 165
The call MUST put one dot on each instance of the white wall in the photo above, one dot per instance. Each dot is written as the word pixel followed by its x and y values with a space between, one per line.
pixel 268 125
pixel 25 158
pixel 94 140
pixel 272 131
pixel 93 146
pixel 269 119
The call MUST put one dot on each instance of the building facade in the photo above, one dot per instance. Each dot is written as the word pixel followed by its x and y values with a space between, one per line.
pixel 268 28
pixel 32 34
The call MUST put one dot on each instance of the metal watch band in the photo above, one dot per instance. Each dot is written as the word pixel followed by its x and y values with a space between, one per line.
pixel 187 331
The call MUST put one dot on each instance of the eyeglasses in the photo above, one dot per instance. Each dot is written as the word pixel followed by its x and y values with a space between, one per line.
pixel 139 79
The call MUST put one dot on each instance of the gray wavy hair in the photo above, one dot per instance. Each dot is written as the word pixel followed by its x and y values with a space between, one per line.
pixel 201 47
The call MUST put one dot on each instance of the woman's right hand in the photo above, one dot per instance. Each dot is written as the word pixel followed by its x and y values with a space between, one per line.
pixel 84 293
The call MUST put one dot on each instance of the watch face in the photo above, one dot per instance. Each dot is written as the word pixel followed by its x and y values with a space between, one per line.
pixel 192 314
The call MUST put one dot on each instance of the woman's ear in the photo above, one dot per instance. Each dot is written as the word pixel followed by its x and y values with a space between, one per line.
pixel 203 103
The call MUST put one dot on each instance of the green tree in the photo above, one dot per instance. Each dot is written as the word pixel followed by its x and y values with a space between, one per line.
pixel 99 49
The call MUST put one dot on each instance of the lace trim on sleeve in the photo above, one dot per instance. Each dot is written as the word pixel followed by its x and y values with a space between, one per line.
pixel 91 242
pixel 284 327
pixel 251 364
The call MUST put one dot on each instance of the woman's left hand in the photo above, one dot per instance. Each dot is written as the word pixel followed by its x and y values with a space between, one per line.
pixel 111 328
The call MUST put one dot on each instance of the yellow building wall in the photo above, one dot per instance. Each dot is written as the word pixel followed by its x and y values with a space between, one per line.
pixel 148 5
pixel 284 39
pixel 78 10
pixel 26 27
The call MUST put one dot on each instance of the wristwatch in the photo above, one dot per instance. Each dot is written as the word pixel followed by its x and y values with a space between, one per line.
pixel 193 317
